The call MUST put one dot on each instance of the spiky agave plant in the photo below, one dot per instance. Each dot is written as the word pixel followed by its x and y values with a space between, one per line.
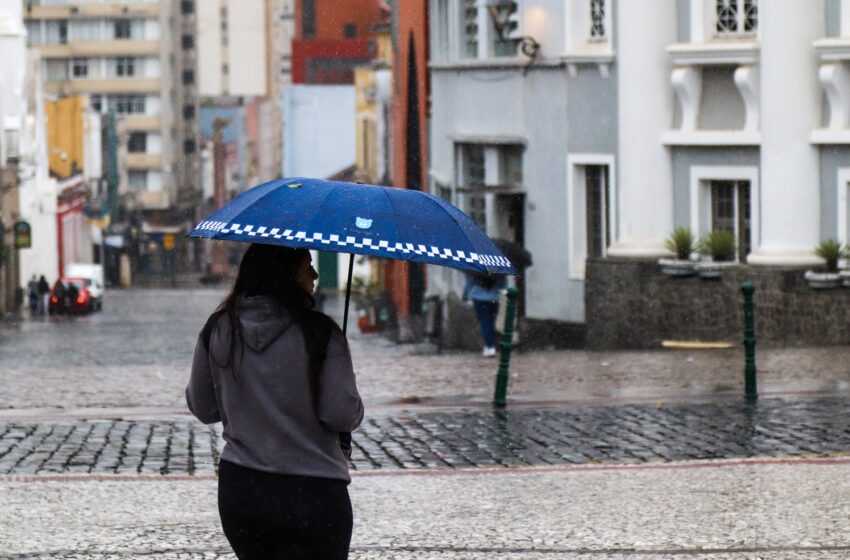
pixel 719 244
pixel 681 242
pixel 831 251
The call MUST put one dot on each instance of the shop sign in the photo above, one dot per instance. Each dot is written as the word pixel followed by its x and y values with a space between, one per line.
pixel 23 235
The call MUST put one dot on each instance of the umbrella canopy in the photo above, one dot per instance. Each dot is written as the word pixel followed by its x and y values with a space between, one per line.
pixel 354 218
pixel 516 253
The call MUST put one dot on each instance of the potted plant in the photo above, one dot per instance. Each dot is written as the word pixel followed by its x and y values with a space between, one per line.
pixel 831 251
pixel 681 244
pixel 720 246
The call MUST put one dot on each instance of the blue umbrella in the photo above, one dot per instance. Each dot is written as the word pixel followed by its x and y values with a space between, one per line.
pixel 358 219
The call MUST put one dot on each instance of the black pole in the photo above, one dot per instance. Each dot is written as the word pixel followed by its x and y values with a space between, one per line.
pixel 348 293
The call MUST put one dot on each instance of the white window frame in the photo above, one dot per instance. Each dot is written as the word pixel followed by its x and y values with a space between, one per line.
pixel 577 207
pixel 700 206
pixel 843 196
pixel 577 26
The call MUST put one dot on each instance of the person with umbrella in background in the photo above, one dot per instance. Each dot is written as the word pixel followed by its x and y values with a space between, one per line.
pixel 279 376
pixel 483 291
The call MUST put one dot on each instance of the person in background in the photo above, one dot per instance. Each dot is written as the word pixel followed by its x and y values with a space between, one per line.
pixel 43 295
pixel 279 376
pixel 483 290
pixel 32 295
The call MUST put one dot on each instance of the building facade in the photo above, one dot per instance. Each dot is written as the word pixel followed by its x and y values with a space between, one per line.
pixel 137 60
pixel 590 129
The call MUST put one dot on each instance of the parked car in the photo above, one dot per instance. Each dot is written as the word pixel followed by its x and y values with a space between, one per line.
pixel 93 275
pixel 70 295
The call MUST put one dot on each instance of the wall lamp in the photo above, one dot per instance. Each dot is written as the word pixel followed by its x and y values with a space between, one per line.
pixel 505 17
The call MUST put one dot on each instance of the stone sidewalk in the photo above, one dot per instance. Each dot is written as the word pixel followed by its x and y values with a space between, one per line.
pixel 763 509
pixel 461 438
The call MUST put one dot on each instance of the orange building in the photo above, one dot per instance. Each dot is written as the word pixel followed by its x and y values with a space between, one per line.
pixel 411 90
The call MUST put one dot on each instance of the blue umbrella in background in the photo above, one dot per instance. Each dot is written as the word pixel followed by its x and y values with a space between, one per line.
pixel 357 219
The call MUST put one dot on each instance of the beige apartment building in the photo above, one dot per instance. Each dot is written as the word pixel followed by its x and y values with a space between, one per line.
pixel 138 59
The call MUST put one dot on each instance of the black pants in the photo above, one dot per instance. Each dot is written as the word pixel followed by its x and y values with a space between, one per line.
pixel 268 516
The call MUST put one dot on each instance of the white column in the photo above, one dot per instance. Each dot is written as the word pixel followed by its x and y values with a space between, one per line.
pixel 791 105
pixel 645 107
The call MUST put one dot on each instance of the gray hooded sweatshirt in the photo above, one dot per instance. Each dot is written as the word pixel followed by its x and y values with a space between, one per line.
pixel 270 421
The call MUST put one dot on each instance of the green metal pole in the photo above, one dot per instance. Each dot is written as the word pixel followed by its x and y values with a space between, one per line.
pixel 750 389
pixel 505 347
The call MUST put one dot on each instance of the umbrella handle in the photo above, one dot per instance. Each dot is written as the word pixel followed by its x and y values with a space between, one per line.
pixel 347 293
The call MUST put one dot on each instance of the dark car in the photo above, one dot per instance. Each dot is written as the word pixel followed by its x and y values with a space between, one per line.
pixel 70 295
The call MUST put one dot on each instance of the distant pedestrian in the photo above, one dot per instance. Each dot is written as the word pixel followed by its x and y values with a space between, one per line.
pixel 483 290
pixel 43 294
pixel 279 376
pixel 32 295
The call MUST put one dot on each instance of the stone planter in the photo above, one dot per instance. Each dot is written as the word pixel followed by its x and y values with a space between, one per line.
pixel 845 278
pixel 823 280
pixel 677 268
pixel 712 270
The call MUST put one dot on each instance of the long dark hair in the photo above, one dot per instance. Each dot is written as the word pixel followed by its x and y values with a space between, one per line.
pixel 271 270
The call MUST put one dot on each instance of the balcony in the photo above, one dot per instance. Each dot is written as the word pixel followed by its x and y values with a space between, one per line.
pixel 695 66
pixel 152 200
pixel 144 161
pixel 834 55
pixel 142 123
pixel 94 11
pixel 103 86
pixel 117 47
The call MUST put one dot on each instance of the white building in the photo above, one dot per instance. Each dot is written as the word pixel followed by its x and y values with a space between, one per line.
pixel 633 118
pixel 23 138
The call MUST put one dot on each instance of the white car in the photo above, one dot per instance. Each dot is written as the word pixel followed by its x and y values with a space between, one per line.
pixel 93 275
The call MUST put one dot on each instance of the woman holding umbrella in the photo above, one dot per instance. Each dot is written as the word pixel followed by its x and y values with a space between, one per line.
pixel 279 376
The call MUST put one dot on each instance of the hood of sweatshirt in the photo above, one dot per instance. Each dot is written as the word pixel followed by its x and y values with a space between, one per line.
pixel 262 320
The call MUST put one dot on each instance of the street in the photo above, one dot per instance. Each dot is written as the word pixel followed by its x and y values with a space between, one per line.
pixel 598 455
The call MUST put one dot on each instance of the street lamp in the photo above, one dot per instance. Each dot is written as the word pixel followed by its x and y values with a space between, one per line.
pixel 505 17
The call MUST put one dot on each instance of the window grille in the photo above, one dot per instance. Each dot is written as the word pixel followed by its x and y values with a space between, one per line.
pixel 597 19
pixel 470 28
pixel 736 17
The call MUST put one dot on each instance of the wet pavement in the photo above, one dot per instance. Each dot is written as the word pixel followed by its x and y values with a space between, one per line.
pixel 772 510
pixel 563 435
pixel 136 353
pixel 598 455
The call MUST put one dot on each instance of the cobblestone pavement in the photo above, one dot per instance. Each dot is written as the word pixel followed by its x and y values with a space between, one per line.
pixel 136 353
pixel 768 510
pixel 635 433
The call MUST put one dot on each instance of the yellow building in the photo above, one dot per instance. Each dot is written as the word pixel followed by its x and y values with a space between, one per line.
pixel 65 130
pixel 372 86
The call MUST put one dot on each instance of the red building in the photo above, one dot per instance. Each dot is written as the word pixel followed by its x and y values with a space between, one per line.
pixel 332 38
pixel 411 91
